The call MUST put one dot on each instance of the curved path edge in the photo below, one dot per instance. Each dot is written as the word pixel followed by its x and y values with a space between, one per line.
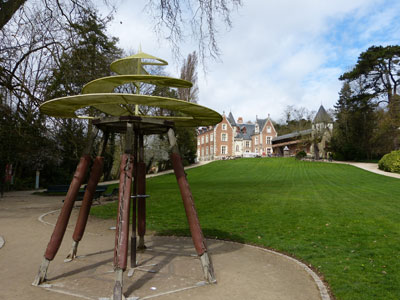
pixel 320 284
pixel 370 167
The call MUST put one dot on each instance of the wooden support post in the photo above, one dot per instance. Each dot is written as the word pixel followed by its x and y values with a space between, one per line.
pixel 122 228
pixel 135 176
pixel 63 218
pixel 191 213
pixel 95 174
pixel 141 190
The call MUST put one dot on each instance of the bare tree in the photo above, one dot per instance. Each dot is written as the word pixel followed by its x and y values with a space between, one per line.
pixel 170 18
pixel 189 73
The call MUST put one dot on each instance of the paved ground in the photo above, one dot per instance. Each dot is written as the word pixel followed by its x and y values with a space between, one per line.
pixel 243 272
pixel 371 167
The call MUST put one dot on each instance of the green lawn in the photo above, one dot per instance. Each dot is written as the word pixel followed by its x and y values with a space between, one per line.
pixel 342 220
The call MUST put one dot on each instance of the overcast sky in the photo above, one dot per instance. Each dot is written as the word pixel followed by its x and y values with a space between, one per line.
pixel 278 53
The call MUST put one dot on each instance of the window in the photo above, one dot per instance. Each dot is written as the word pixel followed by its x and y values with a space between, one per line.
pixel 198 153
pixel 269 129
pixel 268 140
pixel 223 137
pixel 207 138
pixel 206 150
pixel 269 150
pixel 247 144
pixel 223 149
pixel 202 151
pixel 198 141
pixel 211 150
pixel 237 148
pixel 256 140
pixel 211 137
pixel 223 126
pixel 202 140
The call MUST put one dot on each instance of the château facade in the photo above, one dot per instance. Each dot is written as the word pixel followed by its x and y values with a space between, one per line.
pixel 231 138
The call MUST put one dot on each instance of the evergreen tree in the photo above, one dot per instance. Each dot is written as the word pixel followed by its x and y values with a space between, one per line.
pixel 355 123
pixel 88 58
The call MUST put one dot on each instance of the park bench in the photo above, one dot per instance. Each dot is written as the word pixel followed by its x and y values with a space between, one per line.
pixel 57 189
pixel 100 189
pixel 111 194
pixel 63 189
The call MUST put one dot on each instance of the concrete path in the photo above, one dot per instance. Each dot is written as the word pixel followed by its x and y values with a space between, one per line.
pixel 242 271
pixel 371 167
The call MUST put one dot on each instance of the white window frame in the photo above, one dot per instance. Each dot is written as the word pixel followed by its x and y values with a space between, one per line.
pixel 211 137
pixel 224 126
pixel 269 129
pixel 256 140
pixel 248 144
pixel 207 138
pixel 206 150
pixel 202 140
pixel 268 140
pixel 224 137
pixel 224 149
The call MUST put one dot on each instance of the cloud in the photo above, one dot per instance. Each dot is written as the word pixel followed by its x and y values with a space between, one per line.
pixel 278 53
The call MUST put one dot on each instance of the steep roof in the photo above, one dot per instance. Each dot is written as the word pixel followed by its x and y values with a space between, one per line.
pixel 261 123
pixel 322 116
pixel 292 135
pixel 245 135
pixel 231 119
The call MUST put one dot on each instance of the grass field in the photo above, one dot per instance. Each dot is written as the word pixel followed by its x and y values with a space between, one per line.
pixel 342 220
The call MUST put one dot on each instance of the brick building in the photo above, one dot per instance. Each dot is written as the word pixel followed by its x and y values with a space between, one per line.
pixel 231 138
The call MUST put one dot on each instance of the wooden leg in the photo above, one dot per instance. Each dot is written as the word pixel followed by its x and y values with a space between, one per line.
pixel 63 218
pixel 191 213
pixel 141 204
pixel 141 190
pixel 122 228
pixel 80 226
pixel 135 176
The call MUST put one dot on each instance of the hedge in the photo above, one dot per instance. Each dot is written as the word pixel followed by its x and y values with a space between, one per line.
pixel 390 162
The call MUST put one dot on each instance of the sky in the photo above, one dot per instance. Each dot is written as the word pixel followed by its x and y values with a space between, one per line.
pixel 277 53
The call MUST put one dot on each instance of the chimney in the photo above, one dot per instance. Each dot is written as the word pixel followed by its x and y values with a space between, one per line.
pixel 240 120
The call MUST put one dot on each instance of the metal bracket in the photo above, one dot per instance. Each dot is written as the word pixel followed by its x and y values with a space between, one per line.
pixel 41 276
pixel 140 196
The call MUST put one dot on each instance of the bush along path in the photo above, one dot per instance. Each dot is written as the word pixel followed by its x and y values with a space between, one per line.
pixel 340 219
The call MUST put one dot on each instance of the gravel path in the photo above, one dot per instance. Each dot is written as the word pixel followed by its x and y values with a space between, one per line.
pixel 242 271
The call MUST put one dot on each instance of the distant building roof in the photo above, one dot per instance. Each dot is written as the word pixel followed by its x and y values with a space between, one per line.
pixel 261 123
pixel 322 116
pixel 231 119
pixel 292 135
pixel 245 134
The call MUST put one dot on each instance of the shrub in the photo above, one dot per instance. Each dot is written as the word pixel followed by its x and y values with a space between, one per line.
pixel 301 155
pixel 390 162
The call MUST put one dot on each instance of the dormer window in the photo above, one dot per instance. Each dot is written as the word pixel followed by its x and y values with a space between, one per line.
pixel 257 128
